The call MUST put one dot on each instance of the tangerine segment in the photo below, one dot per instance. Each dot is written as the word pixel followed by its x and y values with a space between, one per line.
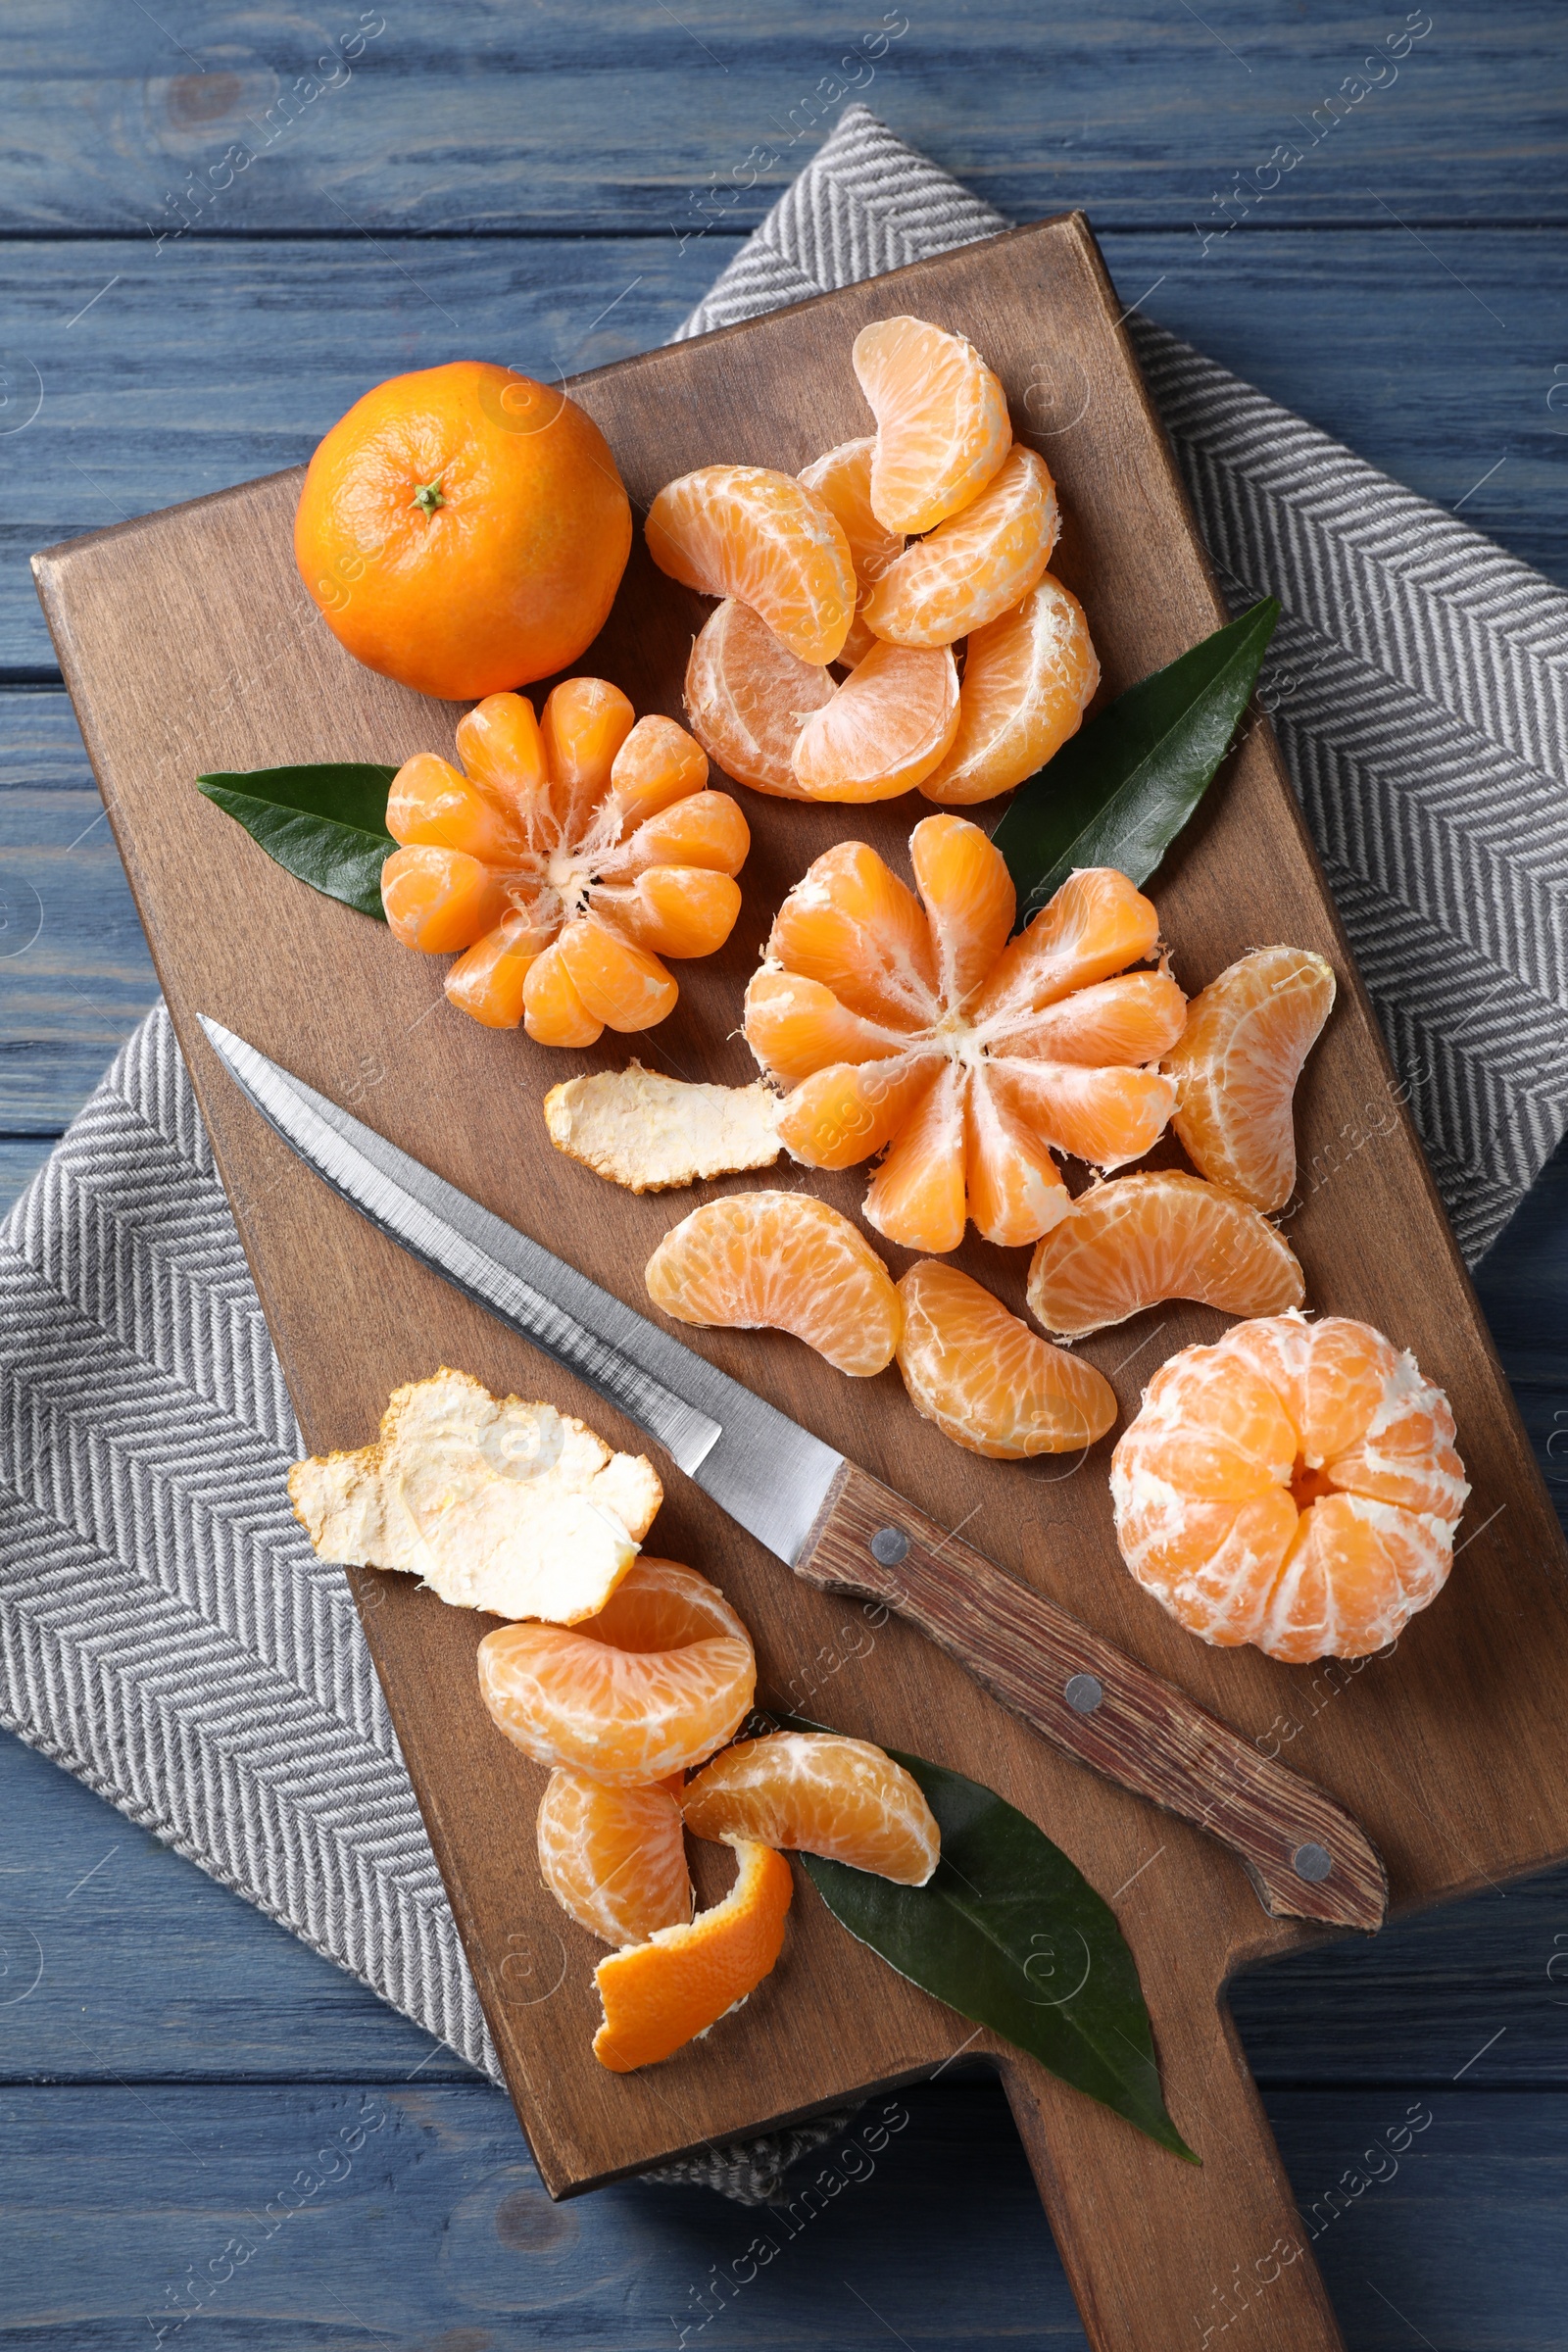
pixel 749 532
pixel 1227 1512
pixel 888 726
pixel 552 1013
pixel 430 803
pixel 918 1197
pixel 661 1994
pixel 1142 1239
pixel 617 983
pixel 838 1116
pixel 796 1026
pixel 976 568
pixel 1013 1188
pixel 842 479
pixel 817 1792
pixel 614 1858
pixel 438 899
pixel 652 1684
pixel 1105 1115
pixel 1028 678
pixel 488 980
pixel 782 1261
pixel 941 424
pixel 1133 1018
pixel 1097 923
pixel 858 929
pixel 1237 1064
pixel 748 697
pixel 673 911
pixel 986 1380
pixel 656 763
pixel 969 901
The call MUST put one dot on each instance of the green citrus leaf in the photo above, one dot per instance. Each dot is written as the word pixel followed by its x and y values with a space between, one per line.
pixel 1121 789
pixel 1008 1933
pixel 326 823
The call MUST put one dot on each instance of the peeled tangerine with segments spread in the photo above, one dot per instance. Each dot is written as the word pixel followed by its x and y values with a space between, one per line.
pixel 565 859
pixel 782 1261
pixel 818 1793
pixel 657 1679
pixel 613 1858
pixel 661 1994
pixel 764 537
pixel 1235 1064
pixel 989 1382
pixel 1162 1235
pixel 1028 678
pixel 919 1026
pixel 1295 1487
pixel 974 567
pixel 941 424
pixel 497 1504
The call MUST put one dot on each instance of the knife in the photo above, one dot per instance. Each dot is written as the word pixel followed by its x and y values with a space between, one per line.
pixel 840 1529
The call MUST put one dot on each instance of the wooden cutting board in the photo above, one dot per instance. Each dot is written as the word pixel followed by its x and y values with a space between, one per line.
pixel 188 645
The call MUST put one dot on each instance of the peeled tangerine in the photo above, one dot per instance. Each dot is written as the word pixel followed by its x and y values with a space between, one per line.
pixel 497 1504
pixel 989 1382
pixel 1295 1487
pixel 921 1027
pixel 655 1680
pixel 1161 1235
pixel 820 1793
pixel 784 1261
pixel 1236 1065
pixel 575 853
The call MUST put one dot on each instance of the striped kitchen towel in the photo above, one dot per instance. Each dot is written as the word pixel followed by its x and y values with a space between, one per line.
pixel 166 1634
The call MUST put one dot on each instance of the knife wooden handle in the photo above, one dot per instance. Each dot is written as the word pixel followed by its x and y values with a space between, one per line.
pixel 1305 1856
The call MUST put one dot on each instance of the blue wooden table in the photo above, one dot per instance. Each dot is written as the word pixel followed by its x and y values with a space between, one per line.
pixel 554 185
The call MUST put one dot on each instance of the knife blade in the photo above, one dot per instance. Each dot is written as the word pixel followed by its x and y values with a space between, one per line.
pixel 837 1527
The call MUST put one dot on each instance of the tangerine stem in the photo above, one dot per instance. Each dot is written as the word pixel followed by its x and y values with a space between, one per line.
pixel 427 497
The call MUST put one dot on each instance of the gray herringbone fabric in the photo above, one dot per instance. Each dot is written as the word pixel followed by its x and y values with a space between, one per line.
pixel 166 1632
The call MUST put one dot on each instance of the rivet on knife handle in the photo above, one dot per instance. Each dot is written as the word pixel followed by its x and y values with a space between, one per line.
pixel 1306 1856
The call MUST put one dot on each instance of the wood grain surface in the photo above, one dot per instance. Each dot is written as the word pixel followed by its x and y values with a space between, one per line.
pixel 1411 1747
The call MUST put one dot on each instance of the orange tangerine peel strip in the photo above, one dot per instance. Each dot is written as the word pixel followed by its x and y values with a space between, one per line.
pixel 663 1994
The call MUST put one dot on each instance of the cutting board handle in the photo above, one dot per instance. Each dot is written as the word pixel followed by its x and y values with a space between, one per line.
pixel 1163 2256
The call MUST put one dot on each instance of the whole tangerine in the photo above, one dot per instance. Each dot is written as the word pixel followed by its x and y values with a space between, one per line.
pixel 463 529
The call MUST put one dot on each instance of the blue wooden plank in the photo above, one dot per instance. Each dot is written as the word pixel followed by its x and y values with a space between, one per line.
pixel 119 1959
pixel 223 360
pixel 476 115
pixel 277 2218
pixel 19 1163
pixel 77 976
